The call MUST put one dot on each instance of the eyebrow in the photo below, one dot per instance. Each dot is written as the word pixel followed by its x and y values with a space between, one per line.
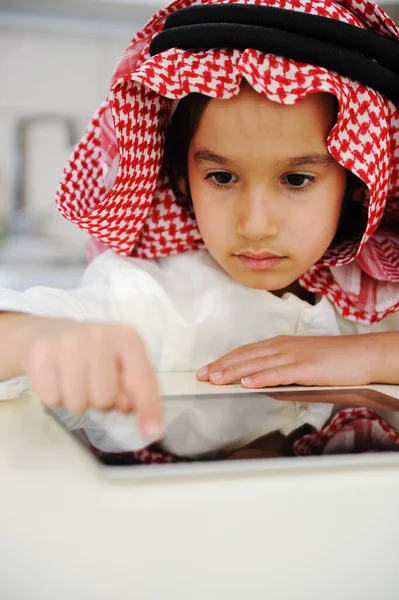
pixel 322 160
pixel 205 155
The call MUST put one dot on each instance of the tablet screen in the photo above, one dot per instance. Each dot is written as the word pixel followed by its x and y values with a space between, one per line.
pixel 275 446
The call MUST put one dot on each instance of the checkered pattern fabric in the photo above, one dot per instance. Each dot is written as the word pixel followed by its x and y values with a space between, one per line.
pixel 353 430
pixel 111 186
pixel 147 456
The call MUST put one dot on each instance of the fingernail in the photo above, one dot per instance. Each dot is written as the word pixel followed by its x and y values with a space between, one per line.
pixel 246 380
pixel 153 430
pixel 216 376
pixel 203 372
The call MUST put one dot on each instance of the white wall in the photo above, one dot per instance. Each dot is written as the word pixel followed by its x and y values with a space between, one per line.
pixel 42 73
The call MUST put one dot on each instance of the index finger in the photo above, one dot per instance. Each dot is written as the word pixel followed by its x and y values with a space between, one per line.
pixel 140 386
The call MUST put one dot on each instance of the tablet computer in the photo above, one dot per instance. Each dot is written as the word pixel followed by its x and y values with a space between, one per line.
pixel 121 464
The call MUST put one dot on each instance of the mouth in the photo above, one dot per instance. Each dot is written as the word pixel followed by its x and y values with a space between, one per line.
pixel 261 261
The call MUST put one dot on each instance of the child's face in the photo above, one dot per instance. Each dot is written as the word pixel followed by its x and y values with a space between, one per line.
pixel 262 181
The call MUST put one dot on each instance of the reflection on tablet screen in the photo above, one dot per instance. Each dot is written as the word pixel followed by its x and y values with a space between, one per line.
pixel 271 445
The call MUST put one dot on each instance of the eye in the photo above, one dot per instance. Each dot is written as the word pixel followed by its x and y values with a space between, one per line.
pixel 221 178
pixel 298 180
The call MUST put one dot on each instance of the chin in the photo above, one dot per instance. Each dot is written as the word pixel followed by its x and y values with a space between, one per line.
pixel 261 282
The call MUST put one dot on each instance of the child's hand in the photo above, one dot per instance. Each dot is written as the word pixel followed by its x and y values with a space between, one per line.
pixel 286 360
pixel 92 365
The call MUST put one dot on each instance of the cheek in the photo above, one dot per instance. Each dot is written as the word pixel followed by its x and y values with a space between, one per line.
pixel 315 228
pixel 211 219
pixel 210 210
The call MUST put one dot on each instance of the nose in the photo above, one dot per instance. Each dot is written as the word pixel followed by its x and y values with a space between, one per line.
pixel 258 216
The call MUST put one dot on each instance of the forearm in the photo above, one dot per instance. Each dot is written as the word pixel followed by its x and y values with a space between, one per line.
pixel 384 356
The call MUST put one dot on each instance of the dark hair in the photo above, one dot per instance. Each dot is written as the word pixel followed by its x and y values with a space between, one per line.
pixel 182 129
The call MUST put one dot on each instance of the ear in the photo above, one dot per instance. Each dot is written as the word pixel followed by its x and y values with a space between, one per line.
pixel 181 184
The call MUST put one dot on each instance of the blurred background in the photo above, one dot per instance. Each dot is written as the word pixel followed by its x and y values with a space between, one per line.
pixel 56 61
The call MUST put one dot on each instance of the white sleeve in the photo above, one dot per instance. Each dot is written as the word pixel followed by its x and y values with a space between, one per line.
pixel 86 302
pixel 13 388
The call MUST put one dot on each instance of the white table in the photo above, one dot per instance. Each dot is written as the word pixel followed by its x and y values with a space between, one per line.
pixel 327 529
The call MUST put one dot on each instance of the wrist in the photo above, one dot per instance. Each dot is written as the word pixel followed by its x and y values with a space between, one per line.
pixel 24 331
pixel 384 357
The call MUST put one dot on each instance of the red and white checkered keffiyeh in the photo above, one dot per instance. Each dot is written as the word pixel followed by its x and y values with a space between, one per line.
pixel 111 186
pixel 354 430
